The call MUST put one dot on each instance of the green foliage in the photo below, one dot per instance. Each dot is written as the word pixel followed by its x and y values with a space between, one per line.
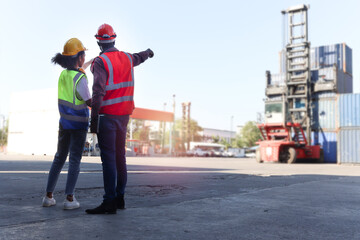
pixel 239 143
pixel 137 126
pixel 225 143
pixel 250 134
pixel 4 134
pixel 215 139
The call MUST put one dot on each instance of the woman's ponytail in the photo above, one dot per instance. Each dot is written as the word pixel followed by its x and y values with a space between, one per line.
pixel 68 62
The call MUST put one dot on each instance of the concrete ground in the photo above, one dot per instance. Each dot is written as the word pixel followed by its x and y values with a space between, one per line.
pixel 186 198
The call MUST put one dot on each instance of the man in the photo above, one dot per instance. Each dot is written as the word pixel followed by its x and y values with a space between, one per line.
pixel 112 104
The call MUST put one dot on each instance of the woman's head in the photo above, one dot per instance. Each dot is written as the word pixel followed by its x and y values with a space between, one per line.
pixel 73 55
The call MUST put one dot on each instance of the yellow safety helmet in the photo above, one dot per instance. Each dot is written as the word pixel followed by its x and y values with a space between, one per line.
pixel 72 47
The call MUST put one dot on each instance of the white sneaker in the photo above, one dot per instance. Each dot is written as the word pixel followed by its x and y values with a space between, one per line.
pixel 48 202
pixel 71 205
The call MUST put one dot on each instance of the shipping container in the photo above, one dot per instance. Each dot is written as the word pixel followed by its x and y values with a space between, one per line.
pixel 348 147
pixel 326 56
pixel 328 142
pixel 325 79
pixel 349 110
pixel 324 114
pixel 330 55
pixel 332 79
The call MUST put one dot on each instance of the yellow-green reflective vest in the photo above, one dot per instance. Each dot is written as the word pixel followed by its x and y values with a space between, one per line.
pixel 74 113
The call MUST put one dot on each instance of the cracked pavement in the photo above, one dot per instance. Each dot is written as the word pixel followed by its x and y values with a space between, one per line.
pixel 186 198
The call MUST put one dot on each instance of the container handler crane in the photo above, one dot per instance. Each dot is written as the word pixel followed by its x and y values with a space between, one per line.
pixel 287 129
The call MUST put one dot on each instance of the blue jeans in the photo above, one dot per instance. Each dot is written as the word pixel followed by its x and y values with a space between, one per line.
pixel 72 140
pixel 112 138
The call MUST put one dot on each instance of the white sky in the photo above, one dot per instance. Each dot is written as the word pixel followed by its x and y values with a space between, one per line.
pixel 212 53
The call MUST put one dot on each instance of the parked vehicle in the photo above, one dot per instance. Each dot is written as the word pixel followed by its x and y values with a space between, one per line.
pixel 198 152
pixel 235 152
pixel 217 153
pixel 203 149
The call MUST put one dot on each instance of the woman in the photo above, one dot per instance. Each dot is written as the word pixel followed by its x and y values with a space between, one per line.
pixel 73 101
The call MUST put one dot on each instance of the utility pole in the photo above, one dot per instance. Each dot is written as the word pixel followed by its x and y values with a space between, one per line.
pixel 172 129
pixel 186 123
pixel 231 129
pixel 163 132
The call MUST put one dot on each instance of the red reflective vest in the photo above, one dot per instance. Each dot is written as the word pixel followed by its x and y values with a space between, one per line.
pixel 119 97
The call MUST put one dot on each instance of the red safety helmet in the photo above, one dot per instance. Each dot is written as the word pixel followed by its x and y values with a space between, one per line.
pixel 105 34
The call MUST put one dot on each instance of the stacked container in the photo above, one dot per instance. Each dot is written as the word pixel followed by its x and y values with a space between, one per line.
pixel 328 56
pixel 331 69
pixel 324 124
pixel 349 128
pixel 335 111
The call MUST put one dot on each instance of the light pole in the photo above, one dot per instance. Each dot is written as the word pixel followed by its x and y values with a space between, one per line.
pixel 172 129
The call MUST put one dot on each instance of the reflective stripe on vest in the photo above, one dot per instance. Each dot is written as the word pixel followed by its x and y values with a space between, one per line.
pixel 74 118
pixel 76 79
pixel 117 100
pixel 112 86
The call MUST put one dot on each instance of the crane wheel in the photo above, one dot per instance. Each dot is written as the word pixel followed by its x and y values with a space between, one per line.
pixel 321 159
pixel 291 155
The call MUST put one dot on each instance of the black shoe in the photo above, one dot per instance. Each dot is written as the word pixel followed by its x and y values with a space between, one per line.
pixel 104 208
pixel 120 202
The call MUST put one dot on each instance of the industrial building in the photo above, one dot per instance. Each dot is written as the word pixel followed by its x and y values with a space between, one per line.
pixel 208 134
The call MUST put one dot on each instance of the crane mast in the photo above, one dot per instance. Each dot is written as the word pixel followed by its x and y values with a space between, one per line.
pixel 298 75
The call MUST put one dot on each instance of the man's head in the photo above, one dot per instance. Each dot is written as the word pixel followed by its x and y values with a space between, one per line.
pixel 105 36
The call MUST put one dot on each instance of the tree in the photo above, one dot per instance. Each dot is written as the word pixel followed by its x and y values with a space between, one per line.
pixel 225 143
pixel 239 142
pixel 4 133
pixel 215 139
pixel 250 134
pixel 137 125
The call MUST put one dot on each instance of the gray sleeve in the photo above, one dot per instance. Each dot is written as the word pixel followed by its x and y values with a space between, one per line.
pixel 82 90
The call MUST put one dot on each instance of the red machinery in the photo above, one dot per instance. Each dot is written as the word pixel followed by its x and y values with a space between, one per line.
pixel 285 144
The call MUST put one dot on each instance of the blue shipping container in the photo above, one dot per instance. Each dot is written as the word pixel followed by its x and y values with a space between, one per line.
pixel 348 147
pixel 335 80
pixel 324 114
pixel 328 141
pixel 326 56
pixel 349 110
